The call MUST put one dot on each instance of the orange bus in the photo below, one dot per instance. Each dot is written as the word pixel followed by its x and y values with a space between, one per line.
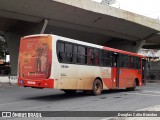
pixel 51 61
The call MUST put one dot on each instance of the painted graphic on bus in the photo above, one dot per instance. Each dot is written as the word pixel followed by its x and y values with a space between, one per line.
pixel 35 57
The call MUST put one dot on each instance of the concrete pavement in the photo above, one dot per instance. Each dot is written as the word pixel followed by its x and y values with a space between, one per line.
pixel 29 99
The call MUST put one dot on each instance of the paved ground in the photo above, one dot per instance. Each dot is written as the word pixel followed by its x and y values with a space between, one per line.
pixel 28 99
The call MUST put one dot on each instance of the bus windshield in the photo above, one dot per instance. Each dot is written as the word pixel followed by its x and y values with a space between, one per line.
pixel 35 57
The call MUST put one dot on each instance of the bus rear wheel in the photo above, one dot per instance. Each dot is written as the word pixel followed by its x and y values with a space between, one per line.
pixel 97 87
pixel 69 92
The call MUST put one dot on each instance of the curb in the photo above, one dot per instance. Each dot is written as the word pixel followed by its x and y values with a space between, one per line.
pixel 6 85
pixel 8 81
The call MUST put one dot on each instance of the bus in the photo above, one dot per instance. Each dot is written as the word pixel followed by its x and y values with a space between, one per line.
pixel 51 61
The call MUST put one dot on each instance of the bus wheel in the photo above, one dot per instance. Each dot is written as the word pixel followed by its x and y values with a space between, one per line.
pixel 69 92
pixel 97 87
pixel 132 88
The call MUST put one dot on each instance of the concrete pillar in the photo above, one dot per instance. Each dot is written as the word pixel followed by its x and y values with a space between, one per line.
pixel 127 45
pixel 13 41
pixel 139 45
pixel 38 28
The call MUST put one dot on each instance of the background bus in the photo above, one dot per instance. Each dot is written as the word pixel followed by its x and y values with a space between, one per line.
pixel 50 61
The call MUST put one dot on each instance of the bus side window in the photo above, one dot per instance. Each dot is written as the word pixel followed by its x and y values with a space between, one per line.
pixel 90 56
pixel 124 62
pixel 65 52
pixel 131 62
pixel 60 51
pixel 96 57
pixel 81 55
pixel 105 58
pixel 75 53
pixel 69 52
pixel 137 63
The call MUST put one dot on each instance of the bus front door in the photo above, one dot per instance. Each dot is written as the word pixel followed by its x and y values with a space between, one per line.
pixel 115 73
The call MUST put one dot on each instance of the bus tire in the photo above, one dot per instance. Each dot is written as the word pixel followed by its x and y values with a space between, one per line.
pixel 69 92
pixel 132 88
pixel 97 87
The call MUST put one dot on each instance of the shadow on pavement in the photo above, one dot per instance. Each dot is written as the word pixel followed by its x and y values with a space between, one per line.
pixel 62 96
